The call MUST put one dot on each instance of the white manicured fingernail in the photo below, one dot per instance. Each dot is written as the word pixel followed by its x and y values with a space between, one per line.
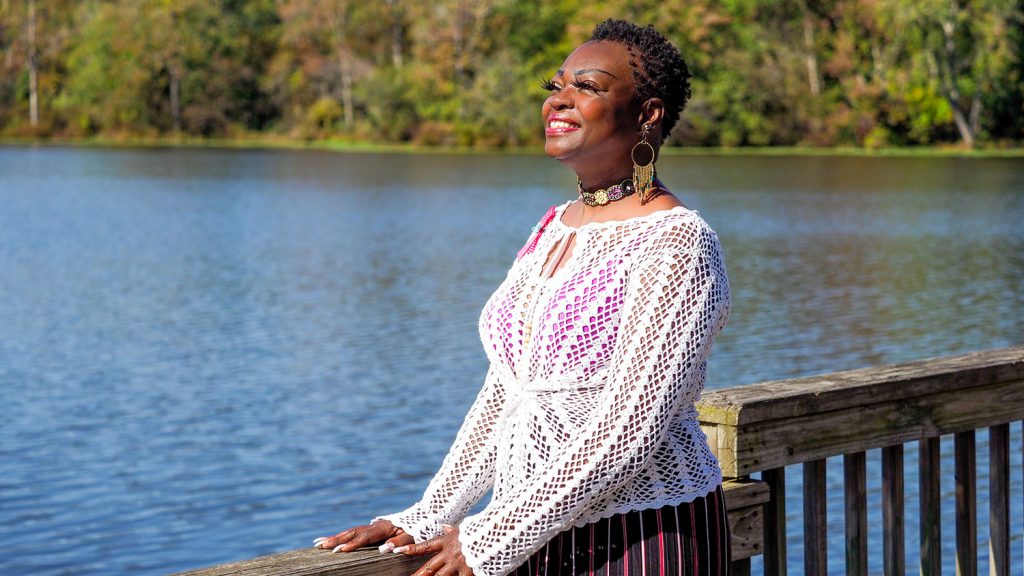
pixel 400 549
pixel 386 547
pixel 319 540
pixel 337 548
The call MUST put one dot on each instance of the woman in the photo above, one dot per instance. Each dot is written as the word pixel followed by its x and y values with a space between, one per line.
pixel 598 340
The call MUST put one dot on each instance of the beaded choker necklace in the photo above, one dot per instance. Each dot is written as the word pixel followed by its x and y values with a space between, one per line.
pixel 605 195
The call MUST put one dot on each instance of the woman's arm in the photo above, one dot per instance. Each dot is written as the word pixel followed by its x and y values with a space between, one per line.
pixel 677 300
pixel 467 472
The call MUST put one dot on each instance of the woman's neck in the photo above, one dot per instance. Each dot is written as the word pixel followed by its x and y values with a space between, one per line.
pixel 593 182
pixel 620 209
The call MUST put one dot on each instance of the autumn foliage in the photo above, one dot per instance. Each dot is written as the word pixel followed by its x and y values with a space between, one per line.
pixel 868 73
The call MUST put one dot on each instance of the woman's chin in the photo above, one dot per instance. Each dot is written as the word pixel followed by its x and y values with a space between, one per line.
pixel 557 149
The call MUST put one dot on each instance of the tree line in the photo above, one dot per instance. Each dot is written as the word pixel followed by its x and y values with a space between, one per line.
pixel 865 73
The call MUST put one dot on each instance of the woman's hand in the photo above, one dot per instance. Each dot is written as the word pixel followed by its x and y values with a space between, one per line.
pixel 366 535
pixel 448 559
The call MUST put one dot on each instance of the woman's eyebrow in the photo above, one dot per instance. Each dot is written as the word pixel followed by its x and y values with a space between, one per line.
pixel 588 70
pixel 585 71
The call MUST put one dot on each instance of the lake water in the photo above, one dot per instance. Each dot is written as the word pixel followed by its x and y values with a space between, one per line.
pixel 209 355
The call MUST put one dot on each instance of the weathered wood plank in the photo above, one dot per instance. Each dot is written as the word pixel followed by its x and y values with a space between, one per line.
pixel 776 443
pixel 999 500
pixel 744 493
pixel 966 504
pixel 775 522
pixel 722 441
pixel 815 518
pixel 744 500
pixel 931 512
pixel 855 497
pixel 852 388
pixel 747 528
pixel 893 554
pixel 313 562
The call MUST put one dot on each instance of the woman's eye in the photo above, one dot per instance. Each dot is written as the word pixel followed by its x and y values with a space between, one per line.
pixel 550 86
pixel 583 86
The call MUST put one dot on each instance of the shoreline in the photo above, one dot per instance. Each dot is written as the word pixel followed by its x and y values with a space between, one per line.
pixel 350 146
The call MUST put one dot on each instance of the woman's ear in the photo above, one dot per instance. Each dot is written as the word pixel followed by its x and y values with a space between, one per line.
pixel 652 111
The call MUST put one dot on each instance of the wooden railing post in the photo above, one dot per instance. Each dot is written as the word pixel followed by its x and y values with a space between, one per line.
pixel 815 518
pixel 775 522
pixel 999 500
pixel 855 496
pixel 966 504
pixel 931 512
pixel 893 554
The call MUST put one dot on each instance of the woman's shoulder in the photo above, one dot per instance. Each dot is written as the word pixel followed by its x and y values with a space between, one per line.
pixel 678 233
pixel 674 224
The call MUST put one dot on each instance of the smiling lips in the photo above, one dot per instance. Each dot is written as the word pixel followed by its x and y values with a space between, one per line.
pixel 559 125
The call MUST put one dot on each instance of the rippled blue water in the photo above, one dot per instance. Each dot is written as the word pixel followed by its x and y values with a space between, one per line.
pixel 209 355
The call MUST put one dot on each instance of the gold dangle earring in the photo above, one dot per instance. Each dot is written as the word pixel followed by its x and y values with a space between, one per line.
pixel 643 174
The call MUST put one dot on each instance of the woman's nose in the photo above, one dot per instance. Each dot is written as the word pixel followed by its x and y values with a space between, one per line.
pixel 560 101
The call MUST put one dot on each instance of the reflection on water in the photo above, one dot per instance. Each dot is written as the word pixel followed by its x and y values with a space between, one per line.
pixel 209 355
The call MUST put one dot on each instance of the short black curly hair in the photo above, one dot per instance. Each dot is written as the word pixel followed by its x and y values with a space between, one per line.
pixel 658 68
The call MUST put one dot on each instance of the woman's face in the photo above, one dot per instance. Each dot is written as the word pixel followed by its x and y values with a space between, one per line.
pixel 590 118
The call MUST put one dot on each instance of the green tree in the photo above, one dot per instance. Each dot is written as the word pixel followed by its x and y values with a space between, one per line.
pixel 326 48
pixel 168 66
pixel 1003 95
pixel 956 48
pixel 33 37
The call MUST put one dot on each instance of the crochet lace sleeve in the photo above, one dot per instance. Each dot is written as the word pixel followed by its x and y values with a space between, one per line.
pixel 677 299
pixel 466 473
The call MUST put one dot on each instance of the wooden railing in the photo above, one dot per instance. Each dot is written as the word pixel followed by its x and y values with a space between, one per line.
pixel 745 501
pixel 765 427
pixel 762 428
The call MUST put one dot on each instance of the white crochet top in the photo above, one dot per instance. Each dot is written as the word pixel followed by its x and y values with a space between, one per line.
pixel 587 409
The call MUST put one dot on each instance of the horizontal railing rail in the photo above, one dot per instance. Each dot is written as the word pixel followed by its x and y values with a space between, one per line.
pixel 773 424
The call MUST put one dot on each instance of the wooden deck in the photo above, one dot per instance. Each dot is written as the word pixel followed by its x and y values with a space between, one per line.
pixel 762 428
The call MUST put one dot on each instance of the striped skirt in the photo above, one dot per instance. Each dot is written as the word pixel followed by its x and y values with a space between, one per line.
pixel 689 539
